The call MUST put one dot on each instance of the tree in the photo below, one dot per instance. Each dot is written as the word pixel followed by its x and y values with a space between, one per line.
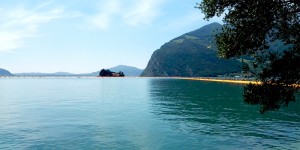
pixel 245 69
pixel 121 74
pixel 250 28
pixel 105 73
pixel 108 73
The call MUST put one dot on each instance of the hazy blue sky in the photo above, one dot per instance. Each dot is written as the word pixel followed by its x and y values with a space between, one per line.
pixel 86 35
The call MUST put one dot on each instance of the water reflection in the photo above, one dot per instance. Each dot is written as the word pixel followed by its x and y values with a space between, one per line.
pixel 218 110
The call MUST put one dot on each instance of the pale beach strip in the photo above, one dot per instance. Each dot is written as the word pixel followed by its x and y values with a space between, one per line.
pixel 240 81
pixel 237 81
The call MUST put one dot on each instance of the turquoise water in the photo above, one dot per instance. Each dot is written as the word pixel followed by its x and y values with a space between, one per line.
pixel 138 113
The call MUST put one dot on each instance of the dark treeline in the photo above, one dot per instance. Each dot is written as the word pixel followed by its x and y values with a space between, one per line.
pixel 108 73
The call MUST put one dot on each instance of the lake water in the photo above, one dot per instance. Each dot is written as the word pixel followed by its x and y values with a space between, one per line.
pixel 138 113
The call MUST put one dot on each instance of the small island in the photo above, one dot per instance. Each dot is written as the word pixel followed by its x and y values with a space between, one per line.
pixel 108 73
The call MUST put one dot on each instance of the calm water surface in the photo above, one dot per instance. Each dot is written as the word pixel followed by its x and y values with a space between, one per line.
pixel 138 113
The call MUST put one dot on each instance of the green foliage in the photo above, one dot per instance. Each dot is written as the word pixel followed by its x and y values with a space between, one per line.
pixel 269 96
pixel 108 73
pixel 105 73
pixel 121 74
pixel 245 67
pixel 251 28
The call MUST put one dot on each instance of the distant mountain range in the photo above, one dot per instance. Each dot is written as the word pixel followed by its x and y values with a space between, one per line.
pixel 193 54
pixel 45 74
pixel 4 72
pixel 127 70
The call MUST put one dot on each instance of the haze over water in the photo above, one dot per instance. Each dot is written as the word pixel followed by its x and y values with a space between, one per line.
pixel 138 113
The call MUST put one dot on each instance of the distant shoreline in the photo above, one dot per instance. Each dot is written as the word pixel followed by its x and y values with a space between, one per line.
pixel 36 77
pixel 208 79
pixel 71 77
pixel 224 80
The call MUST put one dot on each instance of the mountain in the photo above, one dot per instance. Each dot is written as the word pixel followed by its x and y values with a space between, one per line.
pixel 4 72
pixel 45 74
pixel 127 70
pixel 63 74
pixel 191 55
pixel 92 74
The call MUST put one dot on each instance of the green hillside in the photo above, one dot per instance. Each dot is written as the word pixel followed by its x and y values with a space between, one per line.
pixel 191 55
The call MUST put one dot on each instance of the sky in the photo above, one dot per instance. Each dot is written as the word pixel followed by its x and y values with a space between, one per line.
pixel 82 36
